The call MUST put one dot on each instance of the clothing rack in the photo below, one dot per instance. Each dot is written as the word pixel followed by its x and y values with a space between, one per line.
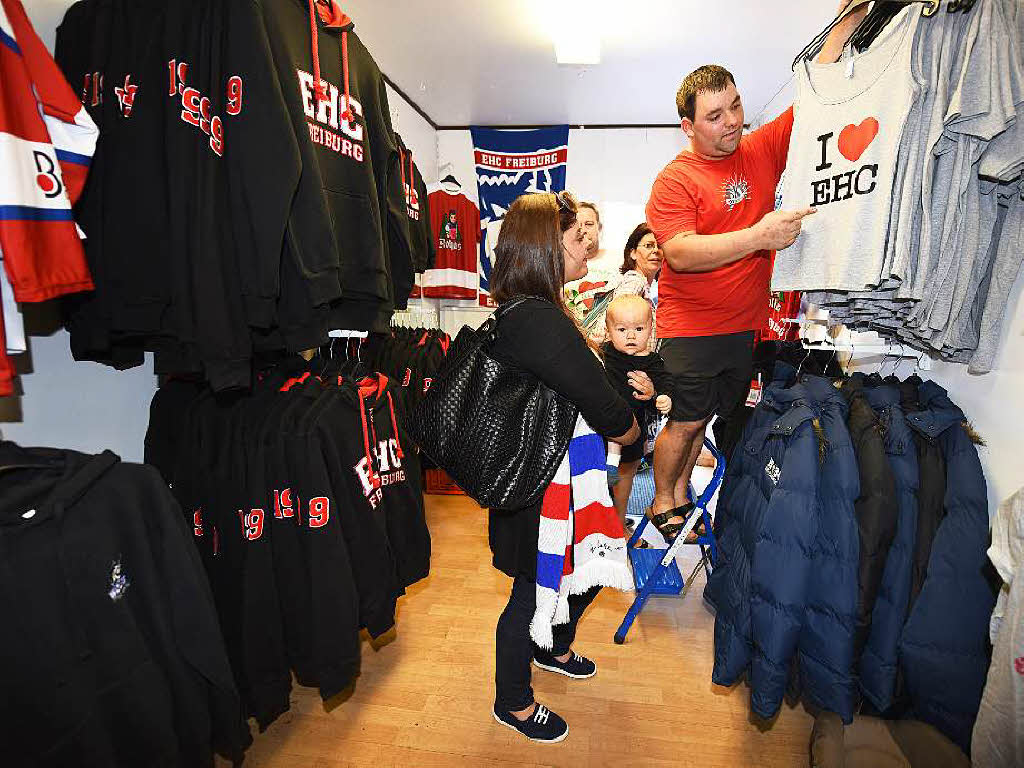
pixel 887 350
pixel 416 317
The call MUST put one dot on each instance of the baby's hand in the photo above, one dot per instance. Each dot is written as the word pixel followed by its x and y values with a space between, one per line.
pixel 663 404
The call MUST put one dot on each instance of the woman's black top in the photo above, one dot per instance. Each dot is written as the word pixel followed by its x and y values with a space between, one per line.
pixel 536 336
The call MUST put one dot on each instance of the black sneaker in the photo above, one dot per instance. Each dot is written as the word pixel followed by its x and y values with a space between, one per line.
pixel 543 725
pixel 577 666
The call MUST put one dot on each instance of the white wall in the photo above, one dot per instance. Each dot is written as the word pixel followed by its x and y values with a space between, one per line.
pixel 84 406
pixel 417 134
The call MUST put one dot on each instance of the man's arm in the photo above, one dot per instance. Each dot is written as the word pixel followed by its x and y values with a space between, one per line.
pixel 690 252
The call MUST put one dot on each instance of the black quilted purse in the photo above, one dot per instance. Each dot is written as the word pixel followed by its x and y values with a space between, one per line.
pixel 496 430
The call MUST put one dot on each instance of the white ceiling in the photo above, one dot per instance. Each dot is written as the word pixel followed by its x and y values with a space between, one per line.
pixel 491 62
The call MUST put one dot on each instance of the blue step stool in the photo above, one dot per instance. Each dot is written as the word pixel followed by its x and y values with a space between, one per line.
pixel 655 571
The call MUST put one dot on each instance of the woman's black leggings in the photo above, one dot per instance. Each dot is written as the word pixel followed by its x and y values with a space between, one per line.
pixel 514 649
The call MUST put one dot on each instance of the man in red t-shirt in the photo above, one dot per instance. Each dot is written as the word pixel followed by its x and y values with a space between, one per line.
pixel 711 209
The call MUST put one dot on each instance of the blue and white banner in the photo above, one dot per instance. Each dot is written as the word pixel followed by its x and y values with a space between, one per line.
pixel 510 163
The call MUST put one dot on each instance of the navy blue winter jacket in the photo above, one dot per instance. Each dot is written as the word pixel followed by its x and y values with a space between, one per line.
pixel 944 651
pixel 768 500
pixel 774 536
pixel 826 645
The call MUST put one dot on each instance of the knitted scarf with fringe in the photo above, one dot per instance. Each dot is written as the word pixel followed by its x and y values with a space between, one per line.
pixel 581 544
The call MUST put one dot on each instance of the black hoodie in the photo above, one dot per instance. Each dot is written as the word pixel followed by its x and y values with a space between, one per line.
pixel 347 148
pixel 421 242
pixel 111 654
pixel 380 471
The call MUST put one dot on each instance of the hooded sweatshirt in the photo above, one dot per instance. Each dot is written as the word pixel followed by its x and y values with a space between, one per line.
pixel 386 474
pixel 111 652
pixel 336 100
pixel 418 208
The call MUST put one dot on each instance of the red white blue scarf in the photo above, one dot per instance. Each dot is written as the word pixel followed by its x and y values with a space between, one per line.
pixel 581 544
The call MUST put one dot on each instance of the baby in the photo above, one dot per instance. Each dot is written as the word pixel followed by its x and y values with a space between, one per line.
pixel 628 323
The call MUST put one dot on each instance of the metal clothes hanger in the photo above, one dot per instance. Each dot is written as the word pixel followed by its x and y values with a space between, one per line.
pixel 876 20
pixel 881 365
pixel 449 178
pixel 329 357
pixel 814 47
pixel 799 367
pixel 835 352
pixel 897 360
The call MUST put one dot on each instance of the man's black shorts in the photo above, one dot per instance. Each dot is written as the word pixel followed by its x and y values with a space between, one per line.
pixel 711 374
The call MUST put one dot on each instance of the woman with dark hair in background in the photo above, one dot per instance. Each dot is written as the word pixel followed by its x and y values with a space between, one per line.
pixel 641 262
pixel 540 248
pixel 641 259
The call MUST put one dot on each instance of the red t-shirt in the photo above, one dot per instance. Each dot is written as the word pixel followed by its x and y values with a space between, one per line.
pixel 711 197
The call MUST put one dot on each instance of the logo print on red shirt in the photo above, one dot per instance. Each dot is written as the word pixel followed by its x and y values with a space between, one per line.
pixel 735 190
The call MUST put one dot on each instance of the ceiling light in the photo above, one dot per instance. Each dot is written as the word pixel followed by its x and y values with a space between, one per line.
pixel 578 49
pixel 575 29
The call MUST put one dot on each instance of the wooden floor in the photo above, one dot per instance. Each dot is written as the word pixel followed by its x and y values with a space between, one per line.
pixel 424 698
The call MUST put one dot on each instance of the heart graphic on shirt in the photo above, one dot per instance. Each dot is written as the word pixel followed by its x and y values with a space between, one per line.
pixel 854 139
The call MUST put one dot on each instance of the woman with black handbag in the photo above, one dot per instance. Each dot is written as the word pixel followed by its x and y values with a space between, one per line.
pixel 540 248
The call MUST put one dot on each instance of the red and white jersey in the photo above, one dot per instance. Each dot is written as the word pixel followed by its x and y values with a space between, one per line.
pixel 455 222
pixel 782 306
pixel 46 143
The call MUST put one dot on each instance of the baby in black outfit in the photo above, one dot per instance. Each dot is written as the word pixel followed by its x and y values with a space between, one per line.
pixel 628 322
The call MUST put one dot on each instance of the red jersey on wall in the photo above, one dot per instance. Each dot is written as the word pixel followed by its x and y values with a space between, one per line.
pixel 455 222
pixel 782 305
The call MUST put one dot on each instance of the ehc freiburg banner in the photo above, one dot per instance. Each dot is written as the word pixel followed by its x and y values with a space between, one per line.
pixel 511 163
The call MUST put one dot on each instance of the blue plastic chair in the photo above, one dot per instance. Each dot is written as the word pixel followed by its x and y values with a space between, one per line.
pixel 655 571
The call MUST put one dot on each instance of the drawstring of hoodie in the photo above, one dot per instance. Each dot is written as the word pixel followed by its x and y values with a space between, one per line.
pixel 394 427
pixel 319 84
pixel 374 479
pixel 347 115
pixel 411 176
pixel 401 170
pixel 373 429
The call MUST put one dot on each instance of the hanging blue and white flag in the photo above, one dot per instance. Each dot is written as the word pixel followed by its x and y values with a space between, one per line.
pixel 510 163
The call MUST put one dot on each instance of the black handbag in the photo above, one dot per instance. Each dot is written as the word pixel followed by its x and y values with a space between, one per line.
pixel 495 429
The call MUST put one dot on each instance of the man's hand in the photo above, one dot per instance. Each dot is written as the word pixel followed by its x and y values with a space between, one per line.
pixel 642 383
pixel 663 404
pixel 779 229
